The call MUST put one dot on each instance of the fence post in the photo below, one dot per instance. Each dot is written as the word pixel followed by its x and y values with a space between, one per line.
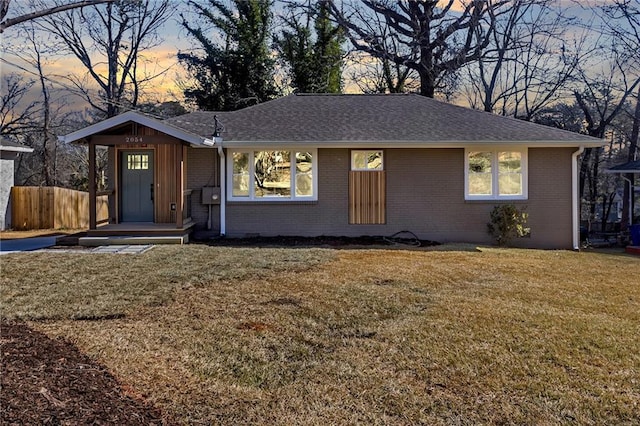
pixel 92 185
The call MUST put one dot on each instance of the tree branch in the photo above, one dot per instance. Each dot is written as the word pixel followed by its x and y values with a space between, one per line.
pixel 38 14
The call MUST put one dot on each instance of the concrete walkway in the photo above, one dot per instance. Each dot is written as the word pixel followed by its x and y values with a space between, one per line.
pixel 123 249
pixel 120 249
pixel 26 244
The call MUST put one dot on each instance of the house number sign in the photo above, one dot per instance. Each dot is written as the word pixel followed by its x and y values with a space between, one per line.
pixel 133 139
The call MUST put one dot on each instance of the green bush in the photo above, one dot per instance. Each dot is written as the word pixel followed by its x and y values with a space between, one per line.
pixel 508 222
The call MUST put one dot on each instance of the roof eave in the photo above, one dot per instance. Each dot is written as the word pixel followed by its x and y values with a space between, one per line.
pixel 410 144
pixel 16 148
pixel 613 171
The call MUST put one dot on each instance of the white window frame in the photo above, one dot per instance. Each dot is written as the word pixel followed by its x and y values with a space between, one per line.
pixel 356 169
pixel 269 199
pixel 495 173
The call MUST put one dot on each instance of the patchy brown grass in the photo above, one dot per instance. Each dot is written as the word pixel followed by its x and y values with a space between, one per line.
pixel 310 336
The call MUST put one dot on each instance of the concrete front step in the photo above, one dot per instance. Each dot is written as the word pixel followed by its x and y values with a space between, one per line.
pixel 129 240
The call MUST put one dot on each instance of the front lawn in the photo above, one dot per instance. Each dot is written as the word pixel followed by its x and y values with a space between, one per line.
pixel 314 336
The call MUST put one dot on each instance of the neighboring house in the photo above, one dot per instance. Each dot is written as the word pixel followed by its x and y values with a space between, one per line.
pixel 9 152
pixel 341 165
pixel 633 168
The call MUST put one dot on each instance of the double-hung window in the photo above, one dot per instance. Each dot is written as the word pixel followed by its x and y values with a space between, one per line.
pixel 496 174
pixel 272 175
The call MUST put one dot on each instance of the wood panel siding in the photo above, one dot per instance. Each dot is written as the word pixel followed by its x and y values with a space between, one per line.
pixel 166 185
pixel 367 197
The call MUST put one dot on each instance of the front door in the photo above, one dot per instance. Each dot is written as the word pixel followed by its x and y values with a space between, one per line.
pixel 136 186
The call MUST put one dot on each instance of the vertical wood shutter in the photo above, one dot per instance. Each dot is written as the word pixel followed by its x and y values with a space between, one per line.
pixel 367 197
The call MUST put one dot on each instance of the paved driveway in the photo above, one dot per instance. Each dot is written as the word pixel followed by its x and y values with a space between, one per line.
pixel 26 244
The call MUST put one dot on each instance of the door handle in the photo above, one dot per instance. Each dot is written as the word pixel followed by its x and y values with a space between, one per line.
pixel 152 192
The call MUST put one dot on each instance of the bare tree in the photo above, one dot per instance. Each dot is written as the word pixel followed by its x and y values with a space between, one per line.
pixel 117 35
pixel 602 99
pixel 622 19
pixel 14 118
pixel 42 128
pixel 434 40
pixel 528 62
pixel 379 74
pixel 4 9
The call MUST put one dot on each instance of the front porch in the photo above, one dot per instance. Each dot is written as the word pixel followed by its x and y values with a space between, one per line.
pixel 140 229
pixel 137 233
pixel 138 167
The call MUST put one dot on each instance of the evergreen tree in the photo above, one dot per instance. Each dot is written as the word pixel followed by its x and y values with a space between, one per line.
pixel 311 46
pixel 237 71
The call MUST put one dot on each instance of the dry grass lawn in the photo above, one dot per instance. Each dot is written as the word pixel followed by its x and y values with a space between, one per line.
pixel 311 336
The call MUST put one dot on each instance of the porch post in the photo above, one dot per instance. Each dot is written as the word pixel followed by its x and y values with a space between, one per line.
pixel 92 185
pixel 179 185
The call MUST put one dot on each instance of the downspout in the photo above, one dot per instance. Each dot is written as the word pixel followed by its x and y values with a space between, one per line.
pixel 575 200
pixel 631 189
pixel 223 189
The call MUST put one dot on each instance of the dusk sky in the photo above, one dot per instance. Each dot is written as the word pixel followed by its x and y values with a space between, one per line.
pixel 160 60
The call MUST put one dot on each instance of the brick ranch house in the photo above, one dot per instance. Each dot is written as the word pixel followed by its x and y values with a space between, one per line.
pixel 336 165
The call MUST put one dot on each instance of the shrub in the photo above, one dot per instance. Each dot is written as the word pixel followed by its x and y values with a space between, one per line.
pixel 508 222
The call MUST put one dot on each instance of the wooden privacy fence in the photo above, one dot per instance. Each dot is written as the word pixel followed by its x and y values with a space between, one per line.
pixel 36 207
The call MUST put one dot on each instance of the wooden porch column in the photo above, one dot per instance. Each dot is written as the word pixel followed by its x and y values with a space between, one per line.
pixel 92 185
pixel 179 185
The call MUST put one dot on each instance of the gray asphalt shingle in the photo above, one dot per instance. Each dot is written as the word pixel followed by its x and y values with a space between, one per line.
pixel 375 118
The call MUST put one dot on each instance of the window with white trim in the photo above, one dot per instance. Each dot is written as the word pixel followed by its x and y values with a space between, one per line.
pixel 496 174
pixel 272 175
pixel 367 160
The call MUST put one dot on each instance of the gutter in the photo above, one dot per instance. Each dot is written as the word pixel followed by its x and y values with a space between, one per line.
pixel 480 144
pixel 575 202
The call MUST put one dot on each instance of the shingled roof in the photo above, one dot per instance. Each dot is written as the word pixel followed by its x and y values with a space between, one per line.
pixel 398 119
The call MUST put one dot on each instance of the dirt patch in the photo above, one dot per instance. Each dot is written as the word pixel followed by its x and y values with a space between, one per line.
pixel 254 326
pixel 49 382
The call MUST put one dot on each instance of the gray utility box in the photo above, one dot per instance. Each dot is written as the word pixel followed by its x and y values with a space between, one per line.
pixel 210 195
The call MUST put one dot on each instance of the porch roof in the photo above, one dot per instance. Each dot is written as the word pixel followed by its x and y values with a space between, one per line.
pixel 7 145
pixel 630 167
pixel 132 116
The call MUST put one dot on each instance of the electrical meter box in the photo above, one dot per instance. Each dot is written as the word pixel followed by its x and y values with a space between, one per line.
pixel 210 195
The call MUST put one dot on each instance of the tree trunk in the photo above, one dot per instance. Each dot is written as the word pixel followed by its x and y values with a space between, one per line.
pixel 584 170
pixel 607 203
pixel 427 83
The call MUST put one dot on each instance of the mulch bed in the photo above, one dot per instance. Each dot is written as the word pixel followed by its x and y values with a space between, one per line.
pixel 404 240
pixel 50 382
